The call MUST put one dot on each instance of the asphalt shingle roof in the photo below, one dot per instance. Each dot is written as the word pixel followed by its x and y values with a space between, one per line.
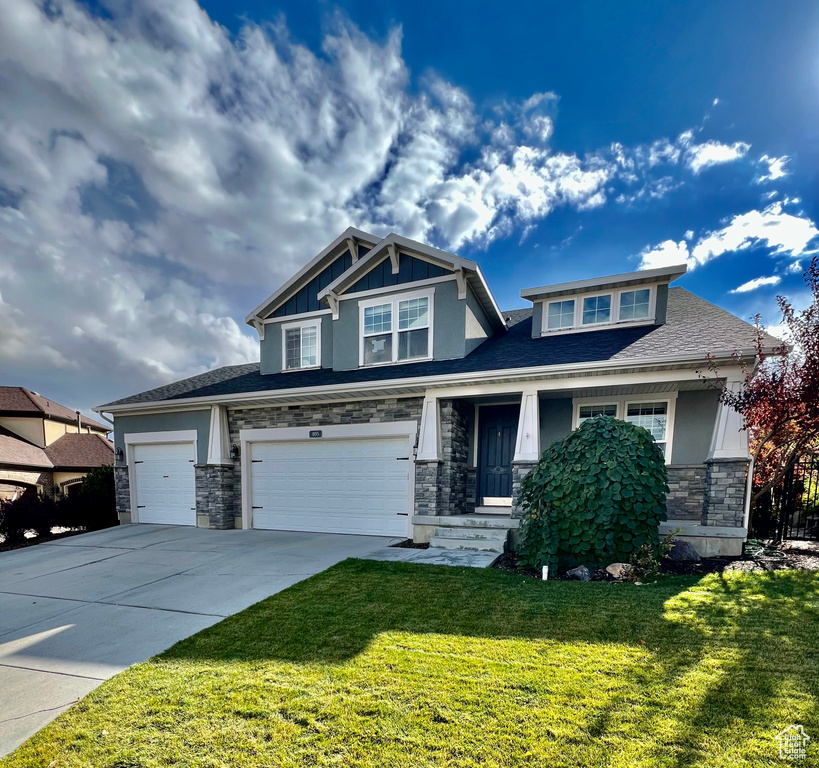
pixel 694 327
pixel 14 451
pixel 19 400
pixel 80 451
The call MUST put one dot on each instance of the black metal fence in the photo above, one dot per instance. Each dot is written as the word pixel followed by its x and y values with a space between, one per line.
pixel 790 510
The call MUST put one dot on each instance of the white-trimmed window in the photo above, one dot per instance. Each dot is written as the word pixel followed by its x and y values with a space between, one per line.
pixel 560 314
pixel 635 305
pixel 301 345
pixel 589 312
pixel 653 414
pixel 652 417
pixel 396 328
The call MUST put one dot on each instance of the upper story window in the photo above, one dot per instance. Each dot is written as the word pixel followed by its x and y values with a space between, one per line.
pixel 301 345
pixel 634 305
pixel 582 311
pixel 597 309
pixel 561 314
pixel 396 329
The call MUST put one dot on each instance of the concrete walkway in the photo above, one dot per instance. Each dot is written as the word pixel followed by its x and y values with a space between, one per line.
pixel 464 558
pixel 77 611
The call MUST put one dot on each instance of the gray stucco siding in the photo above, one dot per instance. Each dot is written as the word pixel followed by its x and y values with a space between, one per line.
pixel 537 319
pixel 694 419
pixel 477 327
pixel 166 422
pixel 555 420
pixel 661 305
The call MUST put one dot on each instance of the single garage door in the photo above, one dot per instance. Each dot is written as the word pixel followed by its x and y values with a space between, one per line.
pixel 165 486
pixel 332 486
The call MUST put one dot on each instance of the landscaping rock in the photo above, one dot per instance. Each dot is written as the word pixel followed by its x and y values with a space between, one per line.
pixel 581 573
pixel 619 570
pixel 683 551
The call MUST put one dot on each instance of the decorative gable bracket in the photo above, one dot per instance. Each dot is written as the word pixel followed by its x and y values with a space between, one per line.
pixel 392 249
pixel 332 302
pixel 259 326
pixel 351 244
pixel 460 278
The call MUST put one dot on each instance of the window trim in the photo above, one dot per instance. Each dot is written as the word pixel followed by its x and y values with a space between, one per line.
pixel 614 320
pixel 622 402
pixel 394 299
pixel 314 323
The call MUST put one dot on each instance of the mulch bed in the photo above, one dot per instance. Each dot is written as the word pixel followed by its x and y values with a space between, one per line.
pixel 759 556
pixel 409 544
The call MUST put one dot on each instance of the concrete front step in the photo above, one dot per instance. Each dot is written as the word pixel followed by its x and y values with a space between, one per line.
pixel 480 545
pixel 467 521
pixel 490 534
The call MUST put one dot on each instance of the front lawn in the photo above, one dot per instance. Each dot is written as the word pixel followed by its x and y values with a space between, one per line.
pixel 390 664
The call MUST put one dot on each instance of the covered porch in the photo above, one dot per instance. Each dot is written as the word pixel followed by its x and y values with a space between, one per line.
pixel 476 444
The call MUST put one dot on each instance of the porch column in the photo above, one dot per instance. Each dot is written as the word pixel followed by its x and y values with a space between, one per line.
pixel 215 479
pixel 527 444
pixel 727 467
pixel 427 460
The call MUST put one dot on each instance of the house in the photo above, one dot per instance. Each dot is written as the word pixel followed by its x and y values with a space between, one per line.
pixel 45 446
pixel 394 397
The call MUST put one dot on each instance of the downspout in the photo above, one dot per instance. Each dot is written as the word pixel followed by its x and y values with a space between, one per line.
pixel 748 491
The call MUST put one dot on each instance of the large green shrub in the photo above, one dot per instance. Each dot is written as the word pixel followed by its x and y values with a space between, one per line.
pixel 595 496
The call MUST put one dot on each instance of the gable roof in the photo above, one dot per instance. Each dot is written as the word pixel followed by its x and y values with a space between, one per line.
pixel 80 451
pixel 693 329
pixel 466 271
pixel 19 401
pixel 349 237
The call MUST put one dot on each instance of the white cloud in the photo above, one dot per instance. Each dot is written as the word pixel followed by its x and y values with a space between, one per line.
pixel 159 177
pixel 698 157
pixel 776 168
pixel 758 282
pixel 666 254
pixel 786 234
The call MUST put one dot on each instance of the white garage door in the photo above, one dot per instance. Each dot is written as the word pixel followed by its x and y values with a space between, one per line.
pixel 165 488
pixel 332 486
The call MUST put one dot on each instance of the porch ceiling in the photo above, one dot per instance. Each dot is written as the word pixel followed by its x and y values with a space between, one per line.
pixel 632 389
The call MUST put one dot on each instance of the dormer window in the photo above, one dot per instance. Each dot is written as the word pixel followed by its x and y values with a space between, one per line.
pixel 585 312
pixel 561 314
pixel 396 328
pixel 634 305
pixel 301 345
pixel 597 309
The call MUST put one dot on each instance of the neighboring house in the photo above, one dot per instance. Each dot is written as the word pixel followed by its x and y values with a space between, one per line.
pixel 393 397
pixel 46 447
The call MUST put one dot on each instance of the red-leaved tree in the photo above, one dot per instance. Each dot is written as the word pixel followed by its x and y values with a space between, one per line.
pixel 779 399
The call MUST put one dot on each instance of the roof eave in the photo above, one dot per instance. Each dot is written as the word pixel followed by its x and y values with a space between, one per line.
pixel 424 382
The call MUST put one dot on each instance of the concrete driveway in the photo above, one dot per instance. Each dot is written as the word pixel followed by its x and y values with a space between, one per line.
pixel 75 612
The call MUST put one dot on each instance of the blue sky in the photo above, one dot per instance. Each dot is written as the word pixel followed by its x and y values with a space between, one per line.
pixel 163 165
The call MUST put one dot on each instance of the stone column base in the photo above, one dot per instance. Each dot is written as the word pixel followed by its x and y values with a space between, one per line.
pixel 726 482
pixel 214 496
pixel 122 489
pixel 427 487
pixel 519 470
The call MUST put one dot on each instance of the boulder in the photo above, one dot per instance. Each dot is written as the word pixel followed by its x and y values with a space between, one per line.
pixel 683 552
pixel 619 570
pixel 581 573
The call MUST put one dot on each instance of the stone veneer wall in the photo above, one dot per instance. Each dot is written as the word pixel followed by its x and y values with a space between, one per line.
pixel 519 470
pixel 122 488
pixel 686 491
pixel 454 457
pixel 214 494
pixel 317 415
pixel 471 489
pixel 725 485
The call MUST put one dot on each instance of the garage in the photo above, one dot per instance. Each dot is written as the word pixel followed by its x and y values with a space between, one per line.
pixel 164 484
pixel 350 485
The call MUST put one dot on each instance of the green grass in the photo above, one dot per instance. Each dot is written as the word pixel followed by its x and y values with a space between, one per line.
pixel 390 664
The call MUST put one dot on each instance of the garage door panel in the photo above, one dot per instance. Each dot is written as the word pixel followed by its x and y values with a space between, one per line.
pixel 165 483
pixel 336 486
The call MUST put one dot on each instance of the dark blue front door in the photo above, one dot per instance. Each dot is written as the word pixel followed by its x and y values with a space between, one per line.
pixel 498 426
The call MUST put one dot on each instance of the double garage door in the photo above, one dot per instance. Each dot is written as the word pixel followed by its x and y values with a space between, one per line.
pixel 358 485
pixel 335 486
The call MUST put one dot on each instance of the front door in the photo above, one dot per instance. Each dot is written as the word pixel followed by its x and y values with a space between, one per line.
pixel 498 427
